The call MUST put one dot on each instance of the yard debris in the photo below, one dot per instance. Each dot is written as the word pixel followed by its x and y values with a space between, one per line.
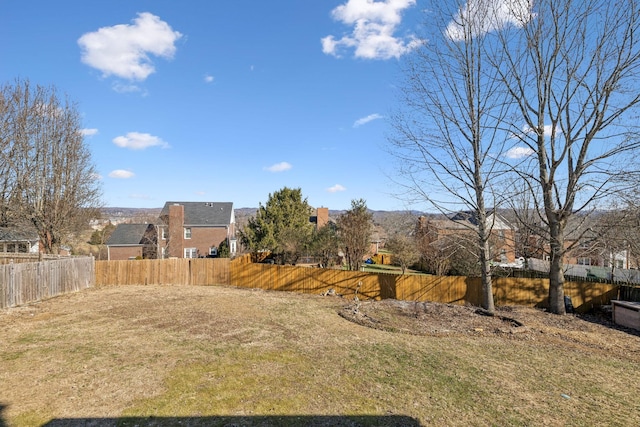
pixel 329 293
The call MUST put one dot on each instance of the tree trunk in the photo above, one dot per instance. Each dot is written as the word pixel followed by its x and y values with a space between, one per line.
pixel 487 287
pixel 484 231
pixel 556 270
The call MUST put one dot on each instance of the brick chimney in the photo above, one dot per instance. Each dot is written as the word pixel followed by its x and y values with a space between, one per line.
pixel 176 230
pixel 322 217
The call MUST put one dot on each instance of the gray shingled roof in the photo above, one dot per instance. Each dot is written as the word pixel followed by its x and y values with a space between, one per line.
pixel 204 213
pixel 17 235
pixel 127 234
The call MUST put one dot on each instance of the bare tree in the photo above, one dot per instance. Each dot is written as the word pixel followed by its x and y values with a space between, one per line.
pixel 404 250
pixel 53 182
pixel 447 135
pixel 531 234
pixel 435 251
pixel 571 68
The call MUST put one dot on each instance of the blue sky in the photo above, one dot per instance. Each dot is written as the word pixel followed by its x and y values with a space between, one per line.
pixel 223 100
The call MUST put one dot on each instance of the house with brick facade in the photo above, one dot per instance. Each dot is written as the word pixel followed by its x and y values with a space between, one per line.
pixel 196 229
pixel 464 224
pixel 132 241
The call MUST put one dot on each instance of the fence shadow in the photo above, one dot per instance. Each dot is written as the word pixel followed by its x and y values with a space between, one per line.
pixel 605 319
pixel 276 420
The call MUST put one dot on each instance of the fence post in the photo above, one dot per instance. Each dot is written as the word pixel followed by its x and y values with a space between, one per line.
pixel 12 290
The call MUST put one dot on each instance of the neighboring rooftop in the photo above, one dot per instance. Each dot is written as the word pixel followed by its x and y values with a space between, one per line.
pixel 204 213
pixel 128 234
pixel 8 234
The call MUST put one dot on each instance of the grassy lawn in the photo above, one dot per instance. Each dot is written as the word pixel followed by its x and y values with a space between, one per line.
pixel 161 355
pixel 385 268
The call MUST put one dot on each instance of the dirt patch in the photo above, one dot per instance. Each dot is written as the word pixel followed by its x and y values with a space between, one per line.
pixel 594 330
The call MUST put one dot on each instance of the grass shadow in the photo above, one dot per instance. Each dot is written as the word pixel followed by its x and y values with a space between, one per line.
pixel 266 421
pixel 605 319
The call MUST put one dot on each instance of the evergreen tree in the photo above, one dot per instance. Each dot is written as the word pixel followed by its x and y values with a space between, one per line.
pixel 281 226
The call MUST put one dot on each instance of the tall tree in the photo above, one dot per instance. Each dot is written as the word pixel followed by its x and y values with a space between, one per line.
pixel 51 182
pixel 572 70
pixel 354 233
pixel 281 226
pixel 447 134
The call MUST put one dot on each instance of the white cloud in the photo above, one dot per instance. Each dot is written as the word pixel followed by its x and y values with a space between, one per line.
pixel 88 132
pixel 336 188
pixel 365 120
pixel 208 78
pixel 139 141
pixel 279 167
pixel 127 88
pixel 124 50
pixel 547 130
pixel 483 16
pixel 518 152
pixel 121 174
pixel 528 131
pixel 374 24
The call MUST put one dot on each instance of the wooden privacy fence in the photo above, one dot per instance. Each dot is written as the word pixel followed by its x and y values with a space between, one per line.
pixel 196 271
pixel 27 282
pixel 447 289
pixel 16 258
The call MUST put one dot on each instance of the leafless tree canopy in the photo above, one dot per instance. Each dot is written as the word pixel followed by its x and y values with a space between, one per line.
pixel 448 134
pixel 571 69
pixel 546 90
pixel 48 179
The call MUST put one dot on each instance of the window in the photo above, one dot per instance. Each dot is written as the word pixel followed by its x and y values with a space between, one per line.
pixel 165 233
pixel 584 261
pixel 190 253
pixel 620 263
pixel 187 233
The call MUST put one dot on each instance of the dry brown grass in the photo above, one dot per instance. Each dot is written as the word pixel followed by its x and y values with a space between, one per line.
pixel 223 356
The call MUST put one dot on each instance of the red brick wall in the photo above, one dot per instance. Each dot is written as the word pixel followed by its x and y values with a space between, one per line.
pixel 117 253
pixel 203 238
